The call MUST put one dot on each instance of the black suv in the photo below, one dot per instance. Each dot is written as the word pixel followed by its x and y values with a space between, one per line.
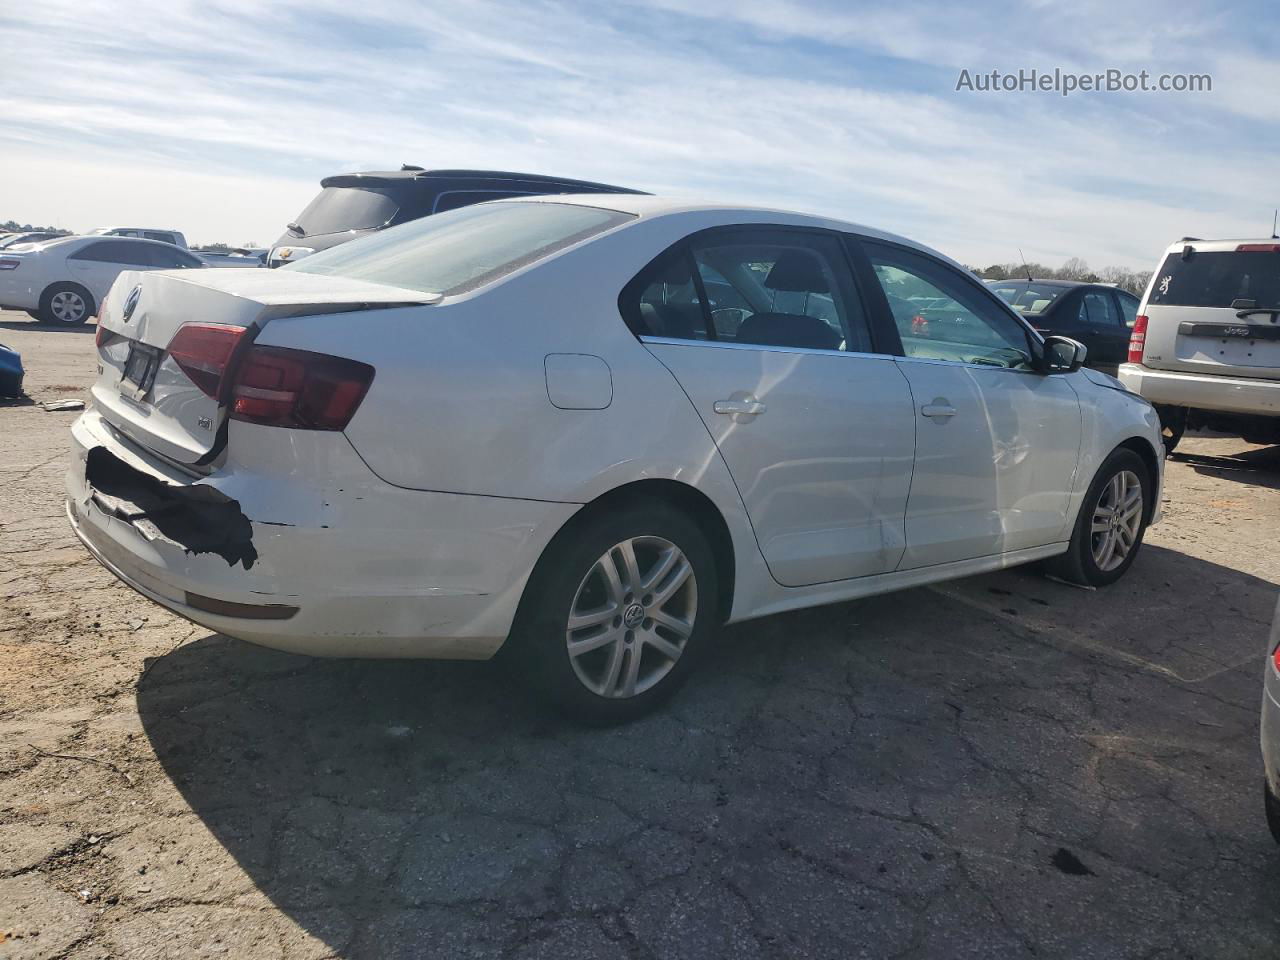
pixel 354 204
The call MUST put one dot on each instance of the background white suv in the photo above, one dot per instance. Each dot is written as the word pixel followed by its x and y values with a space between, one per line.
pixel 1206 344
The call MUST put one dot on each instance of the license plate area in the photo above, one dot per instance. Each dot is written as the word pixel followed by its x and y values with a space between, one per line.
pixel 139 370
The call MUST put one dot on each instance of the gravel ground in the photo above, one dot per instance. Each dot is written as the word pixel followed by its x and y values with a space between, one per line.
pixel 998 767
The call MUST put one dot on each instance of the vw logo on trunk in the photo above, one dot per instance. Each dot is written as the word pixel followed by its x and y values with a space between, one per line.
pixel 131 302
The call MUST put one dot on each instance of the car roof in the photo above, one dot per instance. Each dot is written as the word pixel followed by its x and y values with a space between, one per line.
pixel 414 173
pixel 649 206
pixel 1217 246
pixel 1049 282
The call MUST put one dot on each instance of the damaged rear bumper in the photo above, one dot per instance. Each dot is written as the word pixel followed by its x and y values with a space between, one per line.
pixel 307 551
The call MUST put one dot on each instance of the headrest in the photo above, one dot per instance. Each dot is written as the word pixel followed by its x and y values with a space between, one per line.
pixel 798 270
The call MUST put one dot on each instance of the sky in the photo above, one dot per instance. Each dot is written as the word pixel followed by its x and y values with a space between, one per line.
pixel 219 117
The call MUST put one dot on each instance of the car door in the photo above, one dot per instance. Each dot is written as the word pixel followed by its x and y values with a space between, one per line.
pixel 997 443
pixel 1108 340
pixel 815 425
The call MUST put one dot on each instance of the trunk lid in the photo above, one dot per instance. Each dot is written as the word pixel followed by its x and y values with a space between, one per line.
pixel 147 395
pixel 1215 309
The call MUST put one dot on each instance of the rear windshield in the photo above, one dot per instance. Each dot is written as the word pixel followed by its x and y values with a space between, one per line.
pixel 462 249
pixel 1217 279
pixel 1027 296
pixel 347 208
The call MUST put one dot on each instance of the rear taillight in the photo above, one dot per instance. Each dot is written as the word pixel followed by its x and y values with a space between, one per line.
pixel 281 387
pixel 1275 659
pixel 10 263
pixel 1138 339
pixel 202 351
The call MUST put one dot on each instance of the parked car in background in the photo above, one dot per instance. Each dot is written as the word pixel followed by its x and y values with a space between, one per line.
pixel 1206 345
pixel 234 257
pixel 1098 315
pixel 63 281
pixel 143 233
pixel 11 372
pixel 521 418
pixel 14 239
pixel 354 204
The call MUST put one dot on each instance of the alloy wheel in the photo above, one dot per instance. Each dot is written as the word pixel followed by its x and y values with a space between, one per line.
pixel 68 306
pixel 631 617
pixel 1117 520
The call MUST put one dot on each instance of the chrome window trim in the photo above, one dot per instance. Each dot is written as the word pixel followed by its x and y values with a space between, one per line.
pixel 768 348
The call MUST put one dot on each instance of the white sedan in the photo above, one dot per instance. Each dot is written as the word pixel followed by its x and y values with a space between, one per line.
pixel 595 429
pixel 62 281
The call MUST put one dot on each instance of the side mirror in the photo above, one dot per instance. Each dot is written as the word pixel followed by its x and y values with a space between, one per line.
pixel 1062 355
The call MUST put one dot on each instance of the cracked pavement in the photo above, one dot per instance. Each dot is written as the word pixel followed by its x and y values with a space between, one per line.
pixel 1002 766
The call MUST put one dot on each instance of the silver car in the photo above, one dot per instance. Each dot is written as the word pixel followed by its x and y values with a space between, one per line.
pixel 1271 727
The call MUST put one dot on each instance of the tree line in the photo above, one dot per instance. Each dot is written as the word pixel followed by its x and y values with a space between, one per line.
pixel 1135 281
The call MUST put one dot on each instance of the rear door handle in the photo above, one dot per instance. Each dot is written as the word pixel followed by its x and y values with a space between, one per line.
pixel 940 409
pixel 743 405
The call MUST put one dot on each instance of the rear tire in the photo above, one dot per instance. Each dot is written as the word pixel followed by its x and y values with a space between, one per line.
pixel 640 583
pixel 1111 523
pixel 66 305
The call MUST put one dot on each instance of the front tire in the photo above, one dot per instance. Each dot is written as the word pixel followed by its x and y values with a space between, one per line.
pixel 1111 523
pixel 1272 806
pixel 617 612
pixel 66 305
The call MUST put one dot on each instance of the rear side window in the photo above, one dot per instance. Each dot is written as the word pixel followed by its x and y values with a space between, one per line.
pixel 463 249
pixel 1217 278
pixel 453 199
pixel 760 286
pixel 116 251
pixel 162 237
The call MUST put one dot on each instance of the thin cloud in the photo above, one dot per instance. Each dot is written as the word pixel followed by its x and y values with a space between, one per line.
pixel 851 113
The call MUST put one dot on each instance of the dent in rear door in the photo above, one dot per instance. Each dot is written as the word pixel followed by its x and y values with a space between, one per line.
pixel 825 469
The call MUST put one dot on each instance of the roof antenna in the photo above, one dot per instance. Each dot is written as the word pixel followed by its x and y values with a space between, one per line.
pixel 1274 235
pixel 1024 265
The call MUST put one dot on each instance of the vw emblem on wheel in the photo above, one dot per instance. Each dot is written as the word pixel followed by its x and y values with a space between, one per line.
pixel 131 302
pixel 633 616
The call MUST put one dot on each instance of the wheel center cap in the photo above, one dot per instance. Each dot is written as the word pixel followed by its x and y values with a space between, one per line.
pixel 633 616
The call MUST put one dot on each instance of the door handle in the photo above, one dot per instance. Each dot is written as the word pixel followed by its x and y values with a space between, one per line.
pixel 742 405
pixel 940 409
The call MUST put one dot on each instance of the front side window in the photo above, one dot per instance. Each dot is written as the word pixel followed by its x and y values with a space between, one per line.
pixel 1096 308
pixel 116 251
pixel 454 252
pixel 168 259
pixel 762 286
pixel 940 315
